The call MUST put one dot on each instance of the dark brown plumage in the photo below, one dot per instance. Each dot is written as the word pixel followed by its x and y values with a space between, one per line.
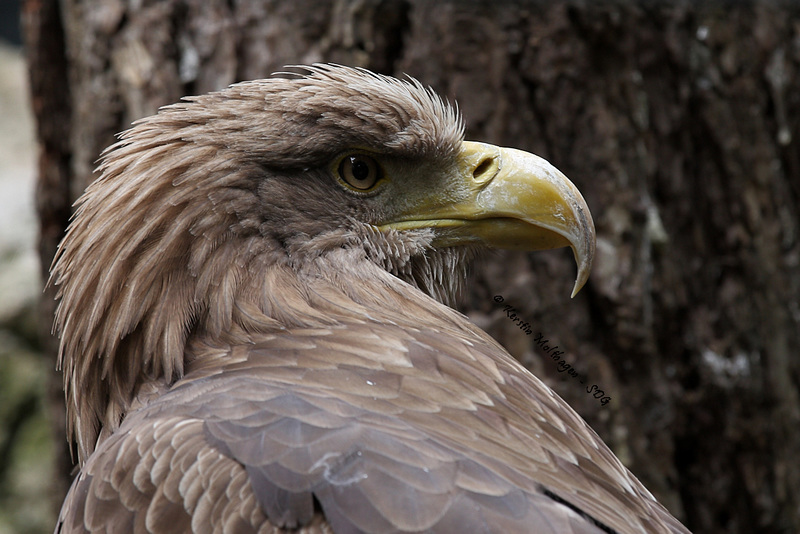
pixel 253 336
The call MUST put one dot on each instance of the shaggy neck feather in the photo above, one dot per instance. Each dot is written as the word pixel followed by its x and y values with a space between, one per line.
pixel 248 286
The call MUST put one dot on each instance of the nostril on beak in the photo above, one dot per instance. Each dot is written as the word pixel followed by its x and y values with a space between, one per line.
pixel 485 170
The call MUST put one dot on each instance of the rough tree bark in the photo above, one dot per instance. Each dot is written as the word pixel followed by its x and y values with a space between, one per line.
pixel 680 124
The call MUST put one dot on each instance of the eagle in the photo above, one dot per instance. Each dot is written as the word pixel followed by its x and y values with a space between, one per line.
pixel 256 330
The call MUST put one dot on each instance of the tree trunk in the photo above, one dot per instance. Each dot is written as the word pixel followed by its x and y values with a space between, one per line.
pixel 678 122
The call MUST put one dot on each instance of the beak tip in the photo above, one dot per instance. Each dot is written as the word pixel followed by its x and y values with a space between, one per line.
pixel 577 287
pixel 584 260
pixel 575 290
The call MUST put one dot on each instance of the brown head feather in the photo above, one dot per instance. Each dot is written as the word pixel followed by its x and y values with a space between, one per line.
pixel 200 208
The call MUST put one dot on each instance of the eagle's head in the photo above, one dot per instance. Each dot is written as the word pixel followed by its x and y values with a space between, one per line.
pixel 219 213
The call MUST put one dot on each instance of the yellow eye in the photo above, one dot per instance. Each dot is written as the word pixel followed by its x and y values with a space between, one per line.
pixel 359 171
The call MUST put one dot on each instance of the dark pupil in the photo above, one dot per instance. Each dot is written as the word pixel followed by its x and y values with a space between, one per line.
pixel 359 169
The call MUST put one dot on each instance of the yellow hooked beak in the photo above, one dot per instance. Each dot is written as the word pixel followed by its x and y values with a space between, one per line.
pixel 507 198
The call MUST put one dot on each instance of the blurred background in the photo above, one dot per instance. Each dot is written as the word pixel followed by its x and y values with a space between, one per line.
pixel 27 464
pixel 679 122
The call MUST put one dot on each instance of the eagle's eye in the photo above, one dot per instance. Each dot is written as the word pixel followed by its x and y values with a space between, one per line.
pixel 359 171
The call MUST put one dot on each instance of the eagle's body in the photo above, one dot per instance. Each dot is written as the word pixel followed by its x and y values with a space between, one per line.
pixel 254 338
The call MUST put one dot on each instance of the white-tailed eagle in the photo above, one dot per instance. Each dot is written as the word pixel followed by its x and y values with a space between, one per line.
pixel 255 336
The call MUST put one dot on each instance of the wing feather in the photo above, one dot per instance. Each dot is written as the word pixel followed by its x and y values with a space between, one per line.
pixel 429 435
